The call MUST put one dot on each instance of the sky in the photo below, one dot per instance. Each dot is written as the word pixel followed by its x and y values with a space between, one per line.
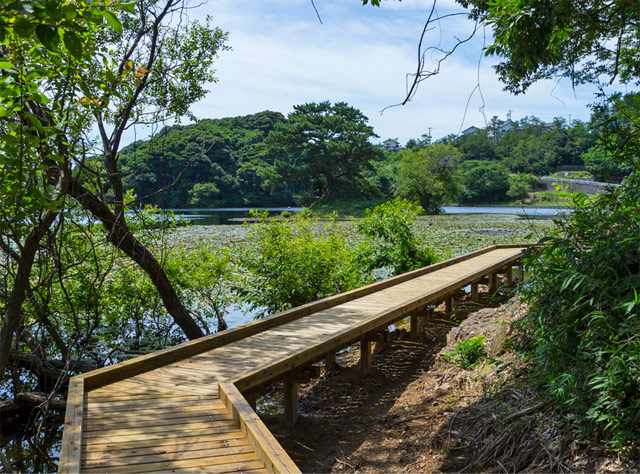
pixel 282 56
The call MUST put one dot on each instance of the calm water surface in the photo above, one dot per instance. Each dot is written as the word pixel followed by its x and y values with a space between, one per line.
pixel 237 215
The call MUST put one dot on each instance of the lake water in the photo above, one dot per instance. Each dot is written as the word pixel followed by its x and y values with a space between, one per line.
pixel 237 215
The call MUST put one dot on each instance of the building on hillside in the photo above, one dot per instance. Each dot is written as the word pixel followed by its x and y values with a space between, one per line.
pixel 472 130
pixel 391 144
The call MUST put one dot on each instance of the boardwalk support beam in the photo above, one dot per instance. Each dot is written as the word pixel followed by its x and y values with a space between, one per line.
pixel 330 363
pixel 365 355
pixel 290 403
pixel 493 282
pixel 449 304
pixel 509 275
pixel 474 291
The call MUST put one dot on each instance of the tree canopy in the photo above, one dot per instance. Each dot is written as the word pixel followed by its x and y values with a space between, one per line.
pixel 428 175
pixel 324 146
pixel 65 71
pixel 582 40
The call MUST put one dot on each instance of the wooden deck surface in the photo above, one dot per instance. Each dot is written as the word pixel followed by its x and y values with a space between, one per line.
pixel 172 418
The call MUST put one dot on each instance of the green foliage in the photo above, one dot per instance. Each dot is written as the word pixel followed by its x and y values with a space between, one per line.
pixel 427 175
pixel 219 162
pixel 585 308
pixel 604 167
pixel 520 185
pixel 538 39
pixel 477 146
pixel 390 242
pixel 483 181
pixel 323 147
pixel 467 353
pixel 205 277
pixel 585 314
pixel 295 262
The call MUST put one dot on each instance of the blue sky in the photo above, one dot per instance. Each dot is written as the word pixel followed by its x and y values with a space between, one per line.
pixel 283 56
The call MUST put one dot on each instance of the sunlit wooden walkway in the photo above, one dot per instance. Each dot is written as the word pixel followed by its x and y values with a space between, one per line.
pixel 189 407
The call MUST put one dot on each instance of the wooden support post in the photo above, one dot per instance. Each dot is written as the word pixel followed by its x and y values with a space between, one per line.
pixel 251 397
pixel 474 292
pixel 414 326
pixel 330 362
pixel 493 282
pixel 449 305
pixel 521 270
pixel 290 403
pixel 365 355
pixel 509 274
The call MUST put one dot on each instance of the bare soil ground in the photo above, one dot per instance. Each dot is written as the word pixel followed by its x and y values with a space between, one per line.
pixel 417 412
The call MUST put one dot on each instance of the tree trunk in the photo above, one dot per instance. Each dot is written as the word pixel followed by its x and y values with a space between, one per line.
pixel 120 236
pixel 13 310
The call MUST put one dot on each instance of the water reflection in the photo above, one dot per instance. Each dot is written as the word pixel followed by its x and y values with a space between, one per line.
pixel 230 216
pixel 237 216
pixel 33 446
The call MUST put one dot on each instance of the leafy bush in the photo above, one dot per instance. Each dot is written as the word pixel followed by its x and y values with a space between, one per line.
pixel 295 261
pixel 584 319
pixel 467 353
pixel 520 185
pixel 428 175
pixel 390 241
pixel 483 181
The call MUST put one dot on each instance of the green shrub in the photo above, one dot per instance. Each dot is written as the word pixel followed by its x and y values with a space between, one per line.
pixel 520 185
pixel 584 317
pixel 295 261
pixel 467 353
pixel 483 181
pixel 389 239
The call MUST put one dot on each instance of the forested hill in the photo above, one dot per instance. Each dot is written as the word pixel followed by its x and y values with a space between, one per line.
pixel 213 163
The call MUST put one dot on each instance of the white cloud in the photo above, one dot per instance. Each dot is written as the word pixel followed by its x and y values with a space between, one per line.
pixel 283 56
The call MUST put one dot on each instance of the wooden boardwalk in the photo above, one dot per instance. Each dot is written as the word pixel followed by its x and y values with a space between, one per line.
pixel 188 408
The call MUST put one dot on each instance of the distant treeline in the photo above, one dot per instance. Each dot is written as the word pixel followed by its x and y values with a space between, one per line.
pixel 321 154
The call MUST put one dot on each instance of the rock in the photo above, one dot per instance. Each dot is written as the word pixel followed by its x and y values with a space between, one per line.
pixel 443 389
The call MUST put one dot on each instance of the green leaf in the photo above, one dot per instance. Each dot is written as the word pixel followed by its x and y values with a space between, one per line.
pixel 23 27
pixel 70 12
pixel 129 7
pixel 6 65
pixel 48 36
pixel 73 44
pixel 113 21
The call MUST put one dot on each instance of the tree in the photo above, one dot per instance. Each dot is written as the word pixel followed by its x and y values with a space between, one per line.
pixel 389 240
pixel 428 175
pixel 64 69
pixel 212 163
pixel 575 39
pixel 520 185
pixel 324 146
pixel 483 181
pixel 477 146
